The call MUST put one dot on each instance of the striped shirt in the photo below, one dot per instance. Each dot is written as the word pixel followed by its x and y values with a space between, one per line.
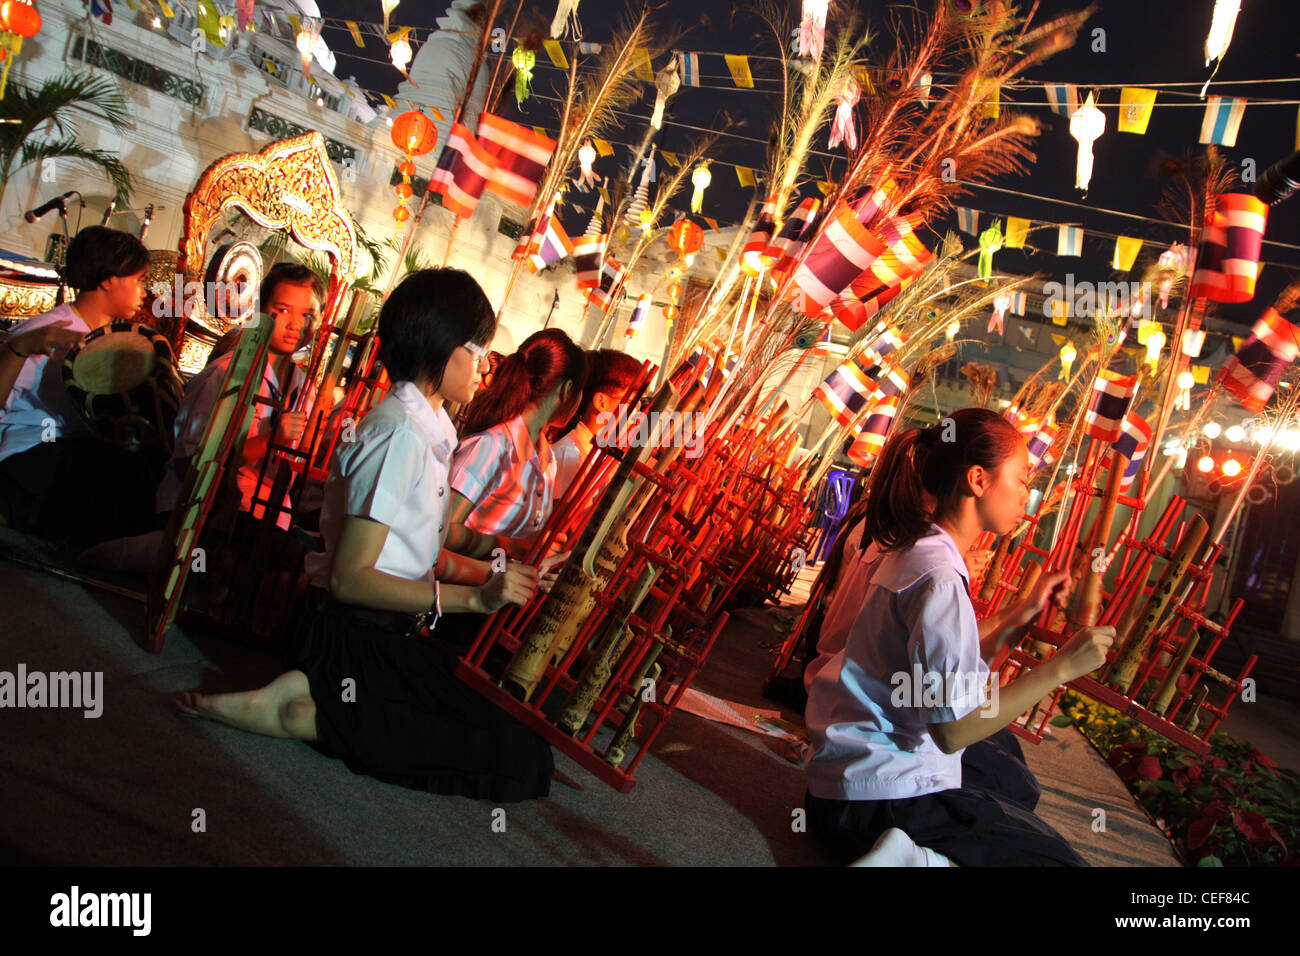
pixel 510 481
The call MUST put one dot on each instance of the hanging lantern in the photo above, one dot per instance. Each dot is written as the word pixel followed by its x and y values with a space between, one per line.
pixel 1155 342
pixel 674 292
pixel 1068 355
pixel 700 179
pixel 1221 27
pixel 1175 258
pixel 667 83
pixel 565 11
pixel 19 21
pixel 414 134
pixel 670 313
pixel 586 160
pixel 1185 382
pixel 1086 125
pixel 304 42
pixel 812 28
pixel 388 7
pixel 685 237
pixel 524 60
pixel 399 51
pixel 843 129
pixel 990 242
pixel 647 219
pixel 1000 305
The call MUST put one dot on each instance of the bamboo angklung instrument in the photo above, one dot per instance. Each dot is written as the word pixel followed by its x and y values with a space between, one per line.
pixel 1088 597
pixel 1135 649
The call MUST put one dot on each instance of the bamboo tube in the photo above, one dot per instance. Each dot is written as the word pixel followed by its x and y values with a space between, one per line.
pixel 1194 716
pixel 1135 651
pixel 994 571
pixel 1088 600
pixel 1165 695
pixel 617 751
pixel 573 597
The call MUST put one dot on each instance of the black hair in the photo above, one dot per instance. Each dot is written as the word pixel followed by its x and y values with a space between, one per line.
pixel 608 371
pixel 293 273
pixel 544 360
pixel 933 460
pixel 428 316
pixel 97 254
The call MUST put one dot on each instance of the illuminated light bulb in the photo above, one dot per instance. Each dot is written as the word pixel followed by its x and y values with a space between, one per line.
pixel 1235 433
pixel 1212 430
pixel 303 42
pixel 1232 468
pixel 1291 440
pixel 1186 379
pixel 388 120
pixel 1155 342
pixel 1205 465
pixel 157 23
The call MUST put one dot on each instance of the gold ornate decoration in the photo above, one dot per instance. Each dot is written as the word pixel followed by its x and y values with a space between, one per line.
pixel 288 185
pixel 22 300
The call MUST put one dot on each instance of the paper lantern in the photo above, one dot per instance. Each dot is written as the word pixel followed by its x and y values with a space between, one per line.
pixel 700 179
pixel 812 28
pixel 401 214
pixel 586 160
pixel 1068 355
pixel 19 21
pixel 414 133
pixel 388 7
pixel 1155 342
pixel 685 237
pixel 523 60
pixel 400 53
pixel 1221 27
pixel 1086 125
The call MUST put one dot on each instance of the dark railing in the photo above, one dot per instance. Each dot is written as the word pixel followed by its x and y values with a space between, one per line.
pixel 277 127
pixel 137 71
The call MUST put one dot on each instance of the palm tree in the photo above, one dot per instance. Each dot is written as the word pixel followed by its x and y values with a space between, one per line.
pixel 53 102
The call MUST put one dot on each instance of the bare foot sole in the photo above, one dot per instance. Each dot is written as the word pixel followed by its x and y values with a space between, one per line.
pixel 223 708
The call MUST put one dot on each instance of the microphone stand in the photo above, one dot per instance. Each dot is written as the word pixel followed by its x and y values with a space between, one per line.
pixel 61 295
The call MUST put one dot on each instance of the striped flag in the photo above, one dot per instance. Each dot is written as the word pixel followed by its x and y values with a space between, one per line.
pixel 1069 241
pixel 825 345
pixel 1227 262
pixel 846 391
pixel 637 320
pixel 968 220
pixel 689 68
pixel 462 173
pixel 1040 444
pixel 1252 374
pixel 610 276
pixel 519 157
pixel 760 238
pixel 887 340
pixel 1222 120
pixel 1063 98
pixel 874 431
pixel 547 245
pixel 588 253
pixel 904 256
pixel 794 234
pixel 1018 303
pixel 1133 442
pixel 1112 394
pixel 844 250
pixel 893 380
pixel 853 311
pixel 590 49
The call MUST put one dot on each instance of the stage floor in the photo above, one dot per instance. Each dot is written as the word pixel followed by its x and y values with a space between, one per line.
pixel 123 788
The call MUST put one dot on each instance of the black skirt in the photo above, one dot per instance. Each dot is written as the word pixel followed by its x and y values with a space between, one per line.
pixel 389 705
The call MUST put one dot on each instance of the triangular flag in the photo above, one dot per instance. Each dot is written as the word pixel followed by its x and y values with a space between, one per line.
pixel 1017 233
pixel 604 194
pixel 739 67
pixel 539 131
pixel 670 158
pixel 641 65
pixel 389 101
pixel 603 147
pixel 1126 251
pixel 168 12
pixel 556 53
pixel 713 223
pixel 437 114
pixel 1135 106
pixel 989 95
pixel 295 24
pixel 356 33
pixel 722 254
pixel 745 175
pixel 825 187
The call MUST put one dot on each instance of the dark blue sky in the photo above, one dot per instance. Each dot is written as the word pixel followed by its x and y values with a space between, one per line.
pixel 1147 42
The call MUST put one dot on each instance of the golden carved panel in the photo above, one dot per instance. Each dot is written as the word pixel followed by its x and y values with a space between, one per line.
pixel 288 185
pixel 22 300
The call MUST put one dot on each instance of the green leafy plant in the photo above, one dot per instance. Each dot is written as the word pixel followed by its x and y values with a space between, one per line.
pixel 1233 807
pixel 46 131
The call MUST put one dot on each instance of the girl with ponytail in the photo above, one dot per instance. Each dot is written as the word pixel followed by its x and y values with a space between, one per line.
pixel 912 761
pixel 503 474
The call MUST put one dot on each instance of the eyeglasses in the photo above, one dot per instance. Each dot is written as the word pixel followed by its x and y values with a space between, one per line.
pixel 478 351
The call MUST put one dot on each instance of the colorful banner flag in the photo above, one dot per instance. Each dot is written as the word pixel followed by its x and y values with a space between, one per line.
pixel 1135 105
pixel 1126 253
pixel 760 237
pixel 739 67
pixel 356 33
pixel 556 53
pixel 688 66
pixel 1222 120
pixel 1069 241
pixel 1227 262
pixel 672 159
pixel 590 49
pixel 1063 98
pixel 1040 444
pixel 547 245
pixel 462 173
pixel 745 176
pixel 610 276
pixel 636 321
pixel 846 391
pixel 603 148
pixel 519 156
pixel 793 235
pixel 641 65
pixel 1112 395
pixel 1018 303
pixel 1253 373
pixel 1133 442
pixel 968 220
pixel 1017 233
pixel 844 250
pixel 874 431
pixel 588 254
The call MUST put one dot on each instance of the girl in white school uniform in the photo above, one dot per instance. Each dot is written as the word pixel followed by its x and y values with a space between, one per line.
pixel 503 475
pixel 911 759
pixel 364 686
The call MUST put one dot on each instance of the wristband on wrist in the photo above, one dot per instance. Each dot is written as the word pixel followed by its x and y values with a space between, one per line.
pixel 10 346
pixel 431 617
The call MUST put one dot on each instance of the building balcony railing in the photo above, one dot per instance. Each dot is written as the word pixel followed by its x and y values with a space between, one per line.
pixel 136 70
pixel 277 127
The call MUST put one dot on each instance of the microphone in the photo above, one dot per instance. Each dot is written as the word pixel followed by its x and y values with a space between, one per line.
pixel 1280 181
pixel 32 215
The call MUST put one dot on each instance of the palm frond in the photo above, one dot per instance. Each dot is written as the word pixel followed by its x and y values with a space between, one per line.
pixel 35 152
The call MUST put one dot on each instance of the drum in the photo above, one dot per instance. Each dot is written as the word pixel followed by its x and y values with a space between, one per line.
pixel 123 380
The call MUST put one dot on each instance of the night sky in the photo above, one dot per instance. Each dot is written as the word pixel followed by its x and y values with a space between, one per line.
pixel 1147 43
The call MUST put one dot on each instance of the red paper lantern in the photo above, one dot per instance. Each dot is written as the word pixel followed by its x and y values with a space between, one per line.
pixel 414 133
pixel 401 214
pixel 406 168
pixel 670 312
pixel 20 18
pixel 686 237
pixel 404 190
pixel 675 291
